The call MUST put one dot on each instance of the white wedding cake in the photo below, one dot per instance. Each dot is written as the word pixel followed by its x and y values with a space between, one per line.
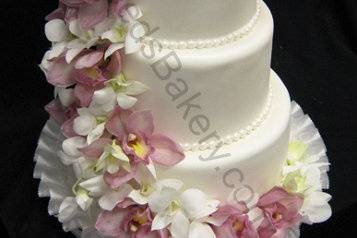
pixel 174 124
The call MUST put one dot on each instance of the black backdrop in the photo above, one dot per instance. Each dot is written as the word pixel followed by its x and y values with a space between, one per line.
pixel 315 53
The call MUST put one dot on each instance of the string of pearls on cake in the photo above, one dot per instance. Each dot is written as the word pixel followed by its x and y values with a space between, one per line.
pixel 237 136
pixel 210 43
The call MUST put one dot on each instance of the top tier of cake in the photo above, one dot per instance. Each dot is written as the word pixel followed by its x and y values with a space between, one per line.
pixel 196 19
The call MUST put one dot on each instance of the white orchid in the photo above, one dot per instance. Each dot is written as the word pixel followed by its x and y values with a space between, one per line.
pixel 185 213
pixel 148 184
pixel 305 174
pixel 84 39
pixel 87 124
pixel 119 91
pixel 57 32
pixel 112 159
pixel 125 32
pixel 316 208
pixel 96 188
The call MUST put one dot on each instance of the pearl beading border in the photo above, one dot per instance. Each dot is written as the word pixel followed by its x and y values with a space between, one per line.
pixel 237 136
pixel 210 43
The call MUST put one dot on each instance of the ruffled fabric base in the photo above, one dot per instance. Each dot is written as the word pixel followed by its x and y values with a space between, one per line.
pixel 56 179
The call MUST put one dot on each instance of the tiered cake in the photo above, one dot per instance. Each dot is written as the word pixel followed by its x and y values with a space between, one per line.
pixel 174 124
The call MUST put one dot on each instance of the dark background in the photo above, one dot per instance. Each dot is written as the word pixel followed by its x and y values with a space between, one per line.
pixel 315 53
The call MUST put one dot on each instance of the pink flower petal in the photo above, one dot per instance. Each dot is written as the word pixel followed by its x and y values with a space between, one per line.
pixel 89 60
pixel 119 178
pixel 71 14
pixel 59 13
pixel 166 151
pixel 118 6
pixel 56 110
pixel 60 73
pixel 141 123
pixel 70 111
pixel 116 123
pixel 114 66
pixel 84 94
pixel 272 196
pixel 280 208
pixel 90 14
pixel 227 210
pixel 109 222
pixel 91 77
pixel 96 149
pixel 266 229
pixel 67 128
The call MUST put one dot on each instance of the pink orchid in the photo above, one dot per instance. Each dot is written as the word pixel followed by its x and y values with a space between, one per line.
pixel 63 115
pixel 236 223
pixel 128 220
pixel 88 12
pixel 60 73
pixel 59 112
pixel 135 130
pixel 96 148
pixel 281 211
pixel 93 71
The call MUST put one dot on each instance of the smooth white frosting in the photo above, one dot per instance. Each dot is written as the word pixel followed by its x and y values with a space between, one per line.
pixel 195 19
pixel 232 81
pixel 259 157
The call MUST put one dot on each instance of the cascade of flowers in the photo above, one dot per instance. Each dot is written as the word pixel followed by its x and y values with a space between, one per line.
pixel 114 149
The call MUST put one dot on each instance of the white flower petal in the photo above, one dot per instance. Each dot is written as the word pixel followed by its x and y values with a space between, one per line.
pixel 83 125
pixel 84 201
pixel 193 202
pixel 72 53
pixel 112 197
pixel 161 220
pixel 96 133
pixel 318 214
pixel 132 13
pixel 113 168
pixel 132 44
pixel 138 197
pixel 111 35
pixel 70 146
pixel 75 29
pixel 82 169
pixel 112 48
pixel 96 186
pixel 56 30
pixel 56 50
pixel 104 96
pixel 199 230
pixel 125 101
pixel 169 183
pixel 180 226
pixel 45 64
pixel 136 88
pixel 66 96
pixel 211 207
pixel 160 200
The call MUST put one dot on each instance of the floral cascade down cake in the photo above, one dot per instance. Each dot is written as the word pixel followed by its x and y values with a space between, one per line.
pixel 167 121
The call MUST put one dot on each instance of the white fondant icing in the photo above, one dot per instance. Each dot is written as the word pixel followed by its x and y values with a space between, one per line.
pixel 229 85
pixel 208 43
pixel 195 19
pixel 258 158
